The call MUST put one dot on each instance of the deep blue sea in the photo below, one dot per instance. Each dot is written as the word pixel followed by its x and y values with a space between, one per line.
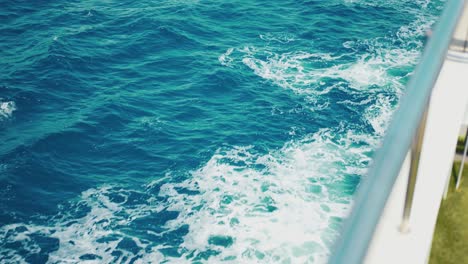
pixel 193 131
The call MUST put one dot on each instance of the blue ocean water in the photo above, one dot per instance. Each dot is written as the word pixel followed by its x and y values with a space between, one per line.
pixel 192 131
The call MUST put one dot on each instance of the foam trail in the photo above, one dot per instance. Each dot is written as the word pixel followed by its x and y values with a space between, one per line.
pixel 241 206
pixel 283 206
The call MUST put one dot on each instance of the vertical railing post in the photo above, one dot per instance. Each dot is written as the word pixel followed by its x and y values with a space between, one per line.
pixel 413 172
pixel 462 163
pixel 447 184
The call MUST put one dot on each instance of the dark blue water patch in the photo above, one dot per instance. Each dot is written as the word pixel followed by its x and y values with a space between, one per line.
pixel 90 257
pixel 109 238
pixel 346 187
pixel 224 241
pixel 128 244
pixel 154 222
pixel 171 252
pixel 203 256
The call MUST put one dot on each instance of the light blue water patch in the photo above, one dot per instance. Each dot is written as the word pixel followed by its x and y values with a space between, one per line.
pixel 193 131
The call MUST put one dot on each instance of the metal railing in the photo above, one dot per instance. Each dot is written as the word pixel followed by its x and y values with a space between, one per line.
pixel 374 191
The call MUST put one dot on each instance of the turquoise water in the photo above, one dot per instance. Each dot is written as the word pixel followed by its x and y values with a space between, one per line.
pixel 193 131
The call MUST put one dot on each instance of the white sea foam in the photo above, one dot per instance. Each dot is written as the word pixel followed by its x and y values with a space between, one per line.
pixel 97 234
pixel 286 205
pixel 280 37
pixel 379 114
pixel 373 71
pixel 384 68
pixel 297 70
pixel 7 109
pixel 225 58
pixel 391 3
pixel 281 207
pixel 303 72
pixel 288 70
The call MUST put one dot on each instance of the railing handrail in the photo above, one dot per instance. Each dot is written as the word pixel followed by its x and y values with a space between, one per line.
pixel 375 189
